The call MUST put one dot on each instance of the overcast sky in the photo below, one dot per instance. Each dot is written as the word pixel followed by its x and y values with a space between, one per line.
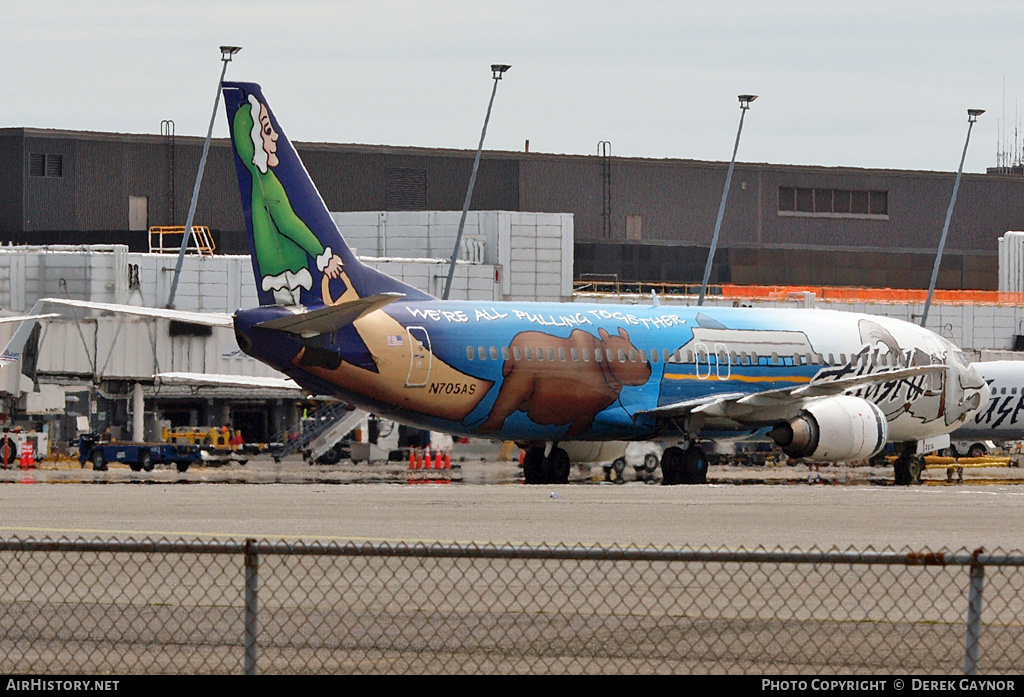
pixel 864 84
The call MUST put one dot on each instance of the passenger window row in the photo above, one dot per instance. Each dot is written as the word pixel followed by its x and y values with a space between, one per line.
pixel 741 358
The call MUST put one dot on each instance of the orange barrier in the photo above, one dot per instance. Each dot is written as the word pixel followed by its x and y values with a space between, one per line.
pixel 857 294
pixel 837 293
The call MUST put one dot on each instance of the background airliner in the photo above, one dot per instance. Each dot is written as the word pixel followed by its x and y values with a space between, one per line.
pixel 822 384
pixel 1002 419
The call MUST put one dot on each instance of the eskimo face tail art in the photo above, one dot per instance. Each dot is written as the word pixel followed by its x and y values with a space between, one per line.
pixel 822 384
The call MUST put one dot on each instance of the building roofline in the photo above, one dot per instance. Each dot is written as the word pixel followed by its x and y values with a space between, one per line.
pixel 419 151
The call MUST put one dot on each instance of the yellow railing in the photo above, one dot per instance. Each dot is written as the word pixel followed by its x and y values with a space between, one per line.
pixel 166 239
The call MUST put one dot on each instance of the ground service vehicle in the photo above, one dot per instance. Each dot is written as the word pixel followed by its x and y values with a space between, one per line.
pixel 139 456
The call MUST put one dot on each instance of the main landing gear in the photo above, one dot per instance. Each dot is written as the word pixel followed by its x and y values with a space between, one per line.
pixel 550 468
pixel 907 466
pixel 679 466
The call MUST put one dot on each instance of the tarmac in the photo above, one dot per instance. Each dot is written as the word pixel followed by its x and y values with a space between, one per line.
pixel 480 465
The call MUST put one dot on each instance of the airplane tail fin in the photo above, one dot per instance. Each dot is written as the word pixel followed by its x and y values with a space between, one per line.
pixel 298 255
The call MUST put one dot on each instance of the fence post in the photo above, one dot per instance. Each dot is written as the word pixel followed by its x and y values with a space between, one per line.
pixel 974 603
pixel 251 606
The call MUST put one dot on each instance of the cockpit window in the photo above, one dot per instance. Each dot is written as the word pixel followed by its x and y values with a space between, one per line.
pixel 962 358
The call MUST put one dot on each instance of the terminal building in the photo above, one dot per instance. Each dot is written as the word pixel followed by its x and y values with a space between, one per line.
pixel 634 219
pixel 77 209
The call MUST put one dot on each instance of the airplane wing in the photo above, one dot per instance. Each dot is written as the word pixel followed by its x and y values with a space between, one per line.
pixel 214 380
pixel 211 319
pixel 12 351
pixel 768 406
pixel 25 318
pixel 331 318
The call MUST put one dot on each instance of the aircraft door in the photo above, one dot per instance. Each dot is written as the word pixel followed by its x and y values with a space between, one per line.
pixel 723 362
pixel 420 357
pixel 702 361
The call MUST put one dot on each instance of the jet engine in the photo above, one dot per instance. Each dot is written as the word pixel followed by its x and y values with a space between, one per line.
pixel 836 429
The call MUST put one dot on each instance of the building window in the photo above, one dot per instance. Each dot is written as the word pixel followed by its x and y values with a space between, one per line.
pixel 634 227
pixel 138 213
pixel 134 282
pixel 832 202
pixel 45 165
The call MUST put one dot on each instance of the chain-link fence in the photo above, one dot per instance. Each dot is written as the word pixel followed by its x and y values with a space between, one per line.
pixel 160 606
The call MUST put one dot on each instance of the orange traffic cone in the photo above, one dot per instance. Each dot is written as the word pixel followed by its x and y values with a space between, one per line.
pixel 412 459
pixel 437 460
pixel 26 455
pixel 447 460
pixel 522 457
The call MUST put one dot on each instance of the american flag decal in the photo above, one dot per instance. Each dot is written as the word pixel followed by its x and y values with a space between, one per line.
pixel 394 341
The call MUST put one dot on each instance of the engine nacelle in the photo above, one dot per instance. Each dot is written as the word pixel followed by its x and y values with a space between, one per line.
pixel 594 451
pixel 836 429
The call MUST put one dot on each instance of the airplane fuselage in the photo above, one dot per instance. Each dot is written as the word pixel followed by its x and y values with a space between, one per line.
pixel 1003 417
pixel 567 371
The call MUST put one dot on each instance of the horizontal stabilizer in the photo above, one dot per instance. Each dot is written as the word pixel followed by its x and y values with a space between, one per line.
pixel 332 318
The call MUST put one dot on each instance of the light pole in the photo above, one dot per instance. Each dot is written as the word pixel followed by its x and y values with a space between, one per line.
pixel 972 116
pixel 226 52
pixel 497 71
pixel 745 100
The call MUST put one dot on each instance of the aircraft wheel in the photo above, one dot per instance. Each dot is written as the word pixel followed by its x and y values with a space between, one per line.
pixel 915 468
pixel 616 471
pixel 901 470
pixel 9 455
pixel 977 450
pixel 650 463
pixel 145 461
pixel 558 466
pixel 533 466
pixel 99 461
pixel 695 466
pixel 135 466
pixel 672 466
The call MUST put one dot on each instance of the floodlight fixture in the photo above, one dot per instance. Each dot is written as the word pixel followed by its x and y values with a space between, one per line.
pixel 226 52
pixel 497 70
pixel 972 117
pixel 745 100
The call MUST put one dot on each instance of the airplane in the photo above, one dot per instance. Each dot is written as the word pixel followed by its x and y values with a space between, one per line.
pixel 1002 419
pixel 822 384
